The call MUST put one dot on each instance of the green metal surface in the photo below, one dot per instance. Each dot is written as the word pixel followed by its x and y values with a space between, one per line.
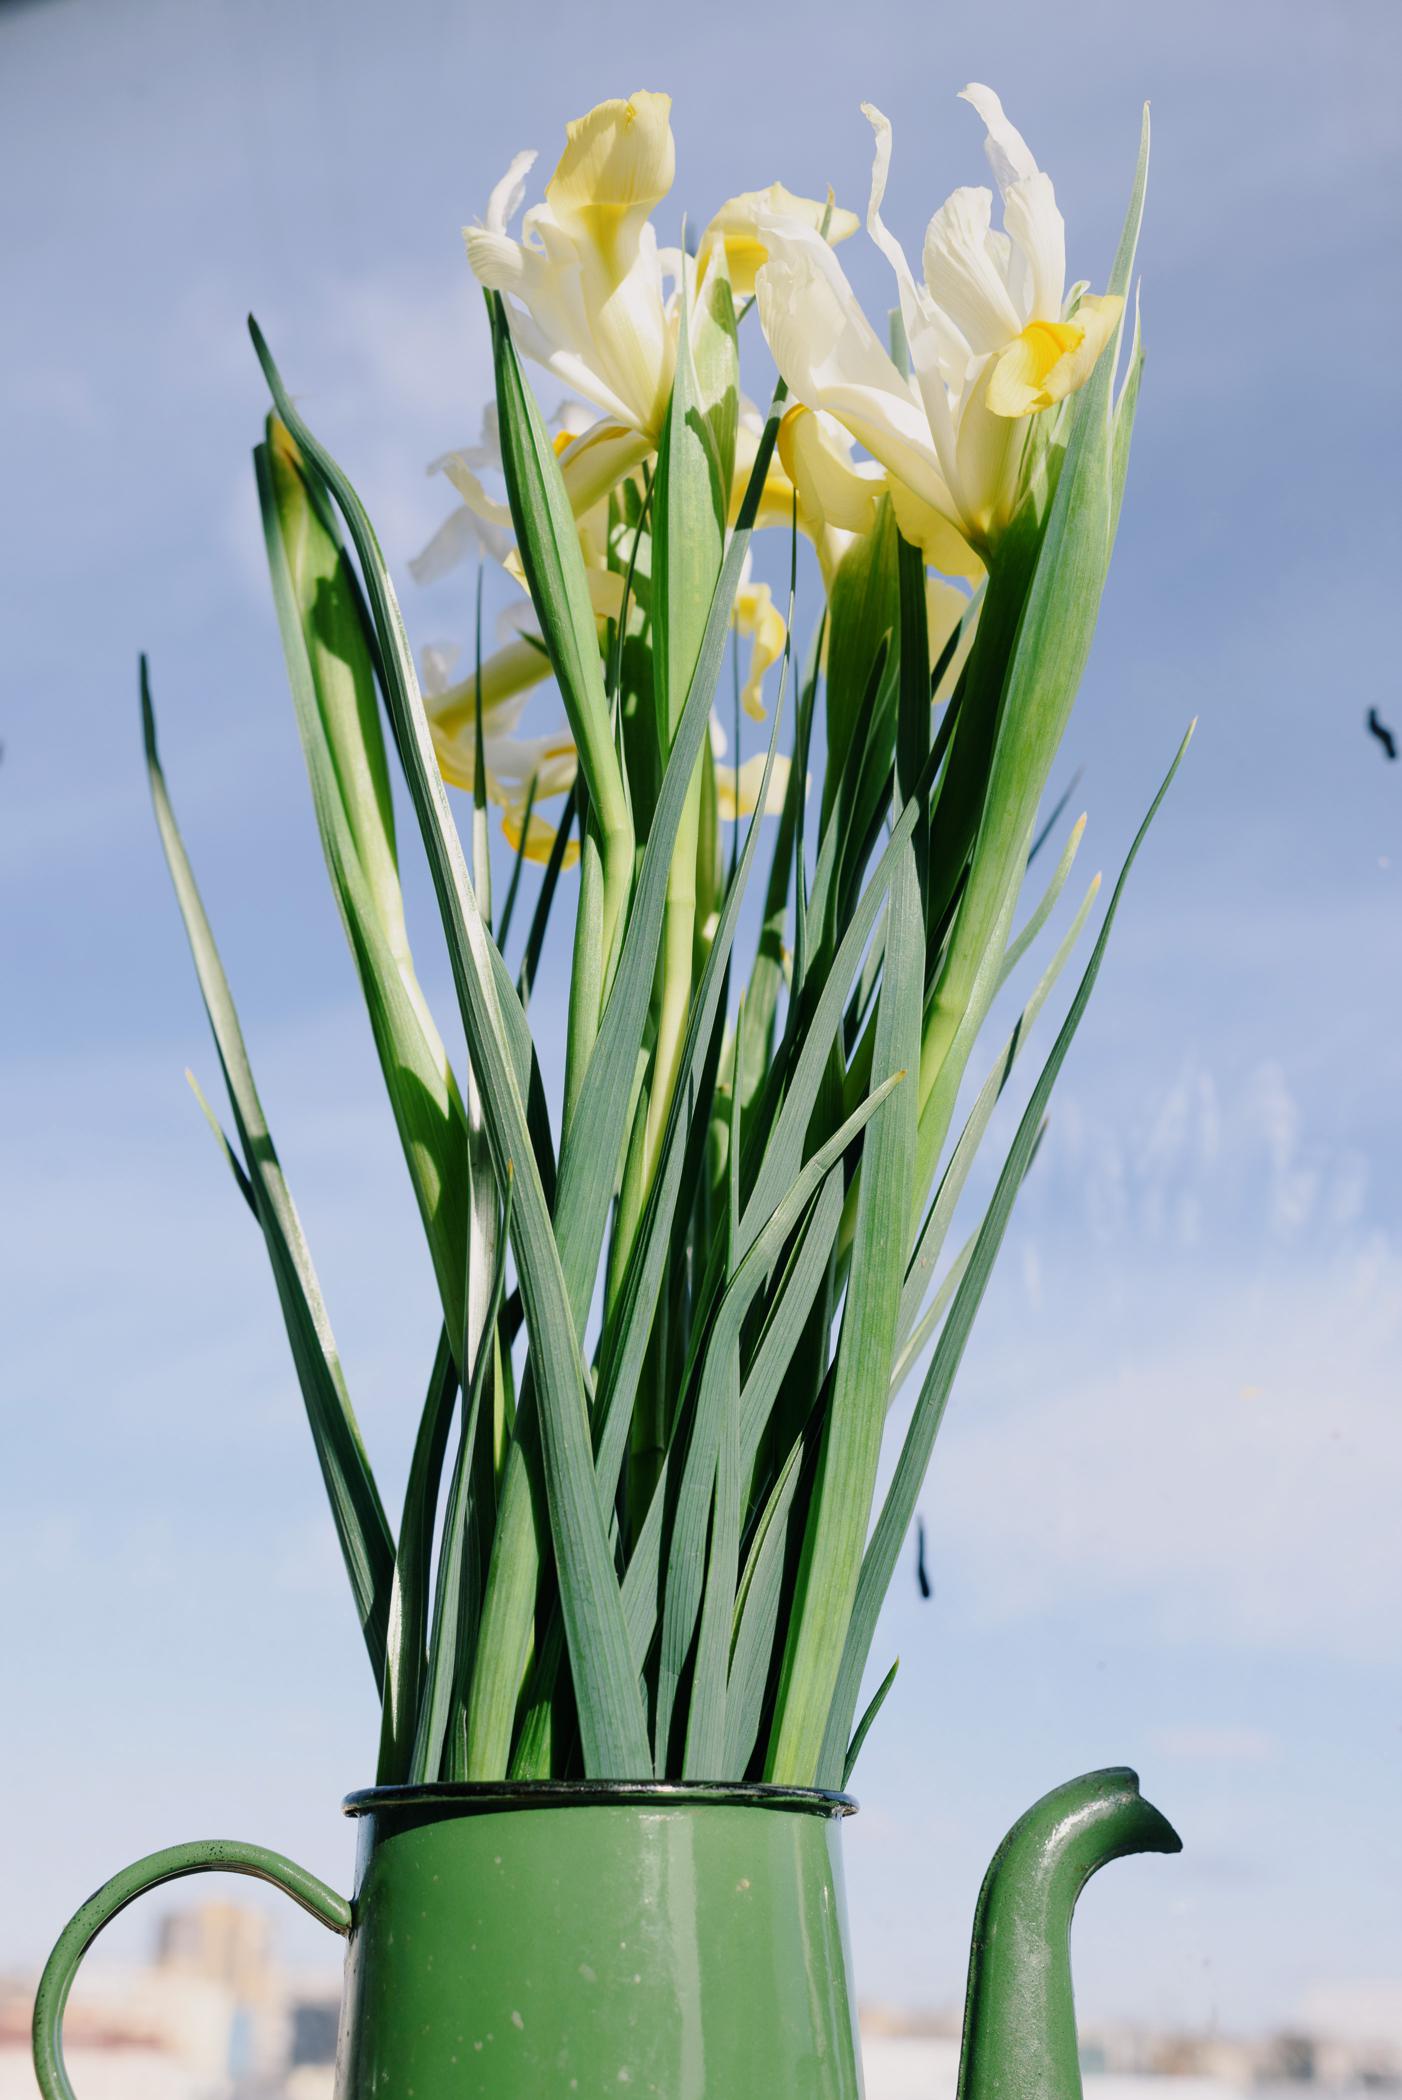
pixel 1019 2015
pixel 683 1942
pixel 207 1856
pixel 518 1942
pixel 523 1942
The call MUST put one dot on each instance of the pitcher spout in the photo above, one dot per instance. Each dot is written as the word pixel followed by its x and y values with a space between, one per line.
pixel 1019 2014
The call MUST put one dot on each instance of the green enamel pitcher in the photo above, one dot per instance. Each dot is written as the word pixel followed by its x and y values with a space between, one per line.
pixel 681 1941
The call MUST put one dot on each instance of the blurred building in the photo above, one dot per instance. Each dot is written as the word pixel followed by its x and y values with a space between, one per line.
pixel 214 2016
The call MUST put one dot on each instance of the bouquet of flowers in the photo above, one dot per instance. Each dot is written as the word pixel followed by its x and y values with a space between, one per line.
pixel 642 1535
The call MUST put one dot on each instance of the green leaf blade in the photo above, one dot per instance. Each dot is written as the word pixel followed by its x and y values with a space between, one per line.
pixel 610 1708
pixel 883 1549
pixel 366 1546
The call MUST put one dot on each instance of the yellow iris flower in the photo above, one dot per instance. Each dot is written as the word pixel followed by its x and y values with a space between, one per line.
pixel 591 294
pixel 513 761
pixel 737 228
pixel 992 338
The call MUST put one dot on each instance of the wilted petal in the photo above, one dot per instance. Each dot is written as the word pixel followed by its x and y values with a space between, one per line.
pixel 938 353
pixel 1008 152
pixel 509 195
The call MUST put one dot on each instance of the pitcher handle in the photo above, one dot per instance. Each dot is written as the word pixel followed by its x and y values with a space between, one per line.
pixel 209 1856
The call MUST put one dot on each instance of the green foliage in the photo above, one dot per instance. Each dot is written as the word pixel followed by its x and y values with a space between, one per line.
pixel 641 1531
pixel 366 1545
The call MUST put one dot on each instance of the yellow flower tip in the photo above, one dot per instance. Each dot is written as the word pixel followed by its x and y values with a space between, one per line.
pixel 283 443
pixel 831 492
pixel 1051 359
pixel 787 440
pixel 736 227
pixel 620 158
pixel 758 617
pixel 540 840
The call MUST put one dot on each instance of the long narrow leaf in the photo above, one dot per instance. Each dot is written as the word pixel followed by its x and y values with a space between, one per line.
pixel 788 1316
pixel 1046 905
pixel 593 1137
pixel 706 1726
pixel 756 1617
pixel 820 1026
pixel 628 1331
pixel 452 1617
pixel 838 1512
pixel 331 672
pixel 884 1547
pixel 408 1609
pixel 366 1546
pixel 863 1728
pixel 610 1709
pixel 548 540
pixel 590 1156
pixel 1049 654
pixel 697 1469
pixel 932 1233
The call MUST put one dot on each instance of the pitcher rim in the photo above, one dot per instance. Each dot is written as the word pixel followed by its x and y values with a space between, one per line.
pixel 482 1796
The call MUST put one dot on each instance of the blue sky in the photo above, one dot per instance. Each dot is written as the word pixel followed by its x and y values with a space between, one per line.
pixel 1163 1515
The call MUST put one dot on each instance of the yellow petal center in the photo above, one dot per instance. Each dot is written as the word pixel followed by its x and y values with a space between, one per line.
pixel 1051 359
pixel 1019 385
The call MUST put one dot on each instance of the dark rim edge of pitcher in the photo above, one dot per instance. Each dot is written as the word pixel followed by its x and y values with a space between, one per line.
pixel 488 1796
